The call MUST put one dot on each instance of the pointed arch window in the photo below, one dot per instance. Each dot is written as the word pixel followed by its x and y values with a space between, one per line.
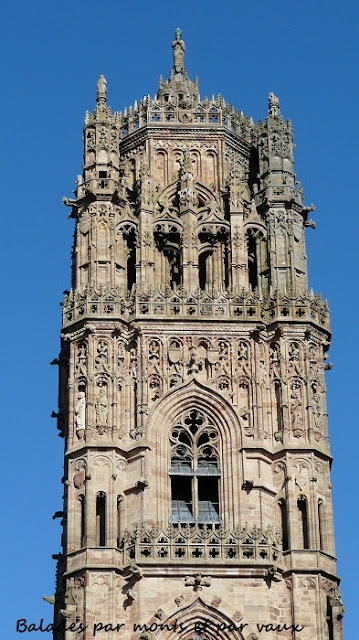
pixel 321 524
pixel 329 619
pixel 82 521
pixel 257 261
pixel 194 470
pixel 252 261
pixel 302 505
pixel 284 523
pixel 168 241
pixel 101 519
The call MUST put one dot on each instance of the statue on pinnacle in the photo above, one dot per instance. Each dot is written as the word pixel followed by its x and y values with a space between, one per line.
pixel 273 105
pixel 101 89
pixel 178 47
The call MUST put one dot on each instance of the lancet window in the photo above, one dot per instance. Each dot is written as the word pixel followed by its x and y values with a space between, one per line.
pixel 284 523
pixel 257 262
pixel 213 261
pixel 321 523
pixel 82 521
pixel 101 519
pixel 168 241
pixel 194 470
pixel 302 505
pixel 329 619
pixel 131 259
pixel 126 255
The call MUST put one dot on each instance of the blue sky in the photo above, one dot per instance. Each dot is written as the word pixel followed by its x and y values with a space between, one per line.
pixel 52 53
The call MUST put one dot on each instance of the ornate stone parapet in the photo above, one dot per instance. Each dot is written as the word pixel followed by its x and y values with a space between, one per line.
pixel 113 303
pixel 197 544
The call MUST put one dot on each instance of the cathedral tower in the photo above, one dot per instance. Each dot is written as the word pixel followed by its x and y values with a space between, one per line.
pixel 192 392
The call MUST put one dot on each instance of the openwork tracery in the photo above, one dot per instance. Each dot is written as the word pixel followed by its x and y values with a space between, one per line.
pixel 194 469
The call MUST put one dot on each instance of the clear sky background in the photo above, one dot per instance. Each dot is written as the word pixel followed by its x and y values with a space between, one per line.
pixel 52 53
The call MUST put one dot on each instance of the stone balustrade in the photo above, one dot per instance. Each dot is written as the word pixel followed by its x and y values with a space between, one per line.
pixel 112 302
pixel 197 544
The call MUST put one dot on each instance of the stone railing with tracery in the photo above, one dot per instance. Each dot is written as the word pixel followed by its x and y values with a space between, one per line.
pixel 201 543
pixel 156 112
pixel 112 302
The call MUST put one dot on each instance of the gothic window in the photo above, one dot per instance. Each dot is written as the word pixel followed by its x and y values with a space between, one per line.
pixel 173 258
pixel 194 470
pixel 278 398
pixel 169 246
pixel 131 259
pixel 119 518
pixel 257 261
pixel 205 267
pixel 252 262
pixel 82 521
pixel 284 523
pixel 329 619
pixel 321 524
pixel 302 505
pixel 101 519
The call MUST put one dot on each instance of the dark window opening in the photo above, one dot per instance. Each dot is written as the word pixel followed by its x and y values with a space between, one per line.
pixel 208 500
pixel 203 268
pixel 329 618
pixel 284 524
pixel 181 487
pixel 303 511
pixel 174 262
pixel 101 519
pixel 278 397
pixel 320 523
pixel 82 524
pixel 131 260
pixel 119 500
pixel 169 244
pixel 252 262
pixel 102 174
pixel 226 267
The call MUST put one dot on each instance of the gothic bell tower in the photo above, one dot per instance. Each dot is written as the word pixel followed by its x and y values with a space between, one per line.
pixel 192 392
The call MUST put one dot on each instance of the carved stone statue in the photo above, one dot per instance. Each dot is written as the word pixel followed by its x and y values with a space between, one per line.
pixel 242 351
pixel 178 47
pixel 81 368
pixel 296 410
pixel 273 105
pixel 101 88
pixel 80 412
pixel 101 407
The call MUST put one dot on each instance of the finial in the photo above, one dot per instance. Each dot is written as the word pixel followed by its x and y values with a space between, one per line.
pixel 178 47
pixel 273 105
pixel 101 89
